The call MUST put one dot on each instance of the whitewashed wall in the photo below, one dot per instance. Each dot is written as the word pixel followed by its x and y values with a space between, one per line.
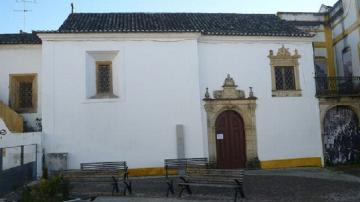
pixel 158 88
pixel 19 59
pixel 287 127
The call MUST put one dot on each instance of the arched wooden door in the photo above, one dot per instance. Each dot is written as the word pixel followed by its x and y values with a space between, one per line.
pixel 230 141
pixel 341 136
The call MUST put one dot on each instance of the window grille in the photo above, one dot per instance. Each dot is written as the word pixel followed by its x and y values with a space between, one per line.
pixel 285 78
pixel 104 78
pixel 25 94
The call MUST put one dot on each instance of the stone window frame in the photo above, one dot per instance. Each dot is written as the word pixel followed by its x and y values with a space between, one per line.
pixel 93 59
pixel 284 58
pixel 104 95
pixel 14 97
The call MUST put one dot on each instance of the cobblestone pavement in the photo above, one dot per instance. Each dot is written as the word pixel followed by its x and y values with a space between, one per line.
pixel 310 185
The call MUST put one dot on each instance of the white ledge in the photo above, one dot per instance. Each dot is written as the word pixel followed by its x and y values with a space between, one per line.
pixel 101 100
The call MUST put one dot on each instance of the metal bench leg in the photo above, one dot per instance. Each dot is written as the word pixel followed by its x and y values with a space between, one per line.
pixel 115 186
pixel 185 187
pixel 170 187
pixel 236 192
pixel 188 189
pixel 240 188
pixel 182 190
pixel 128 186
pixel 241 192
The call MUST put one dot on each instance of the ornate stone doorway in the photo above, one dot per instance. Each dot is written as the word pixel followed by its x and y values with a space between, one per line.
pixel 231 99
pixel 230 140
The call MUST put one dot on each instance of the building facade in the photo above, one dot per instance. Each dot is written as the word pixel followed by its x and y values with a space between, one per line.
pixel 146 87
pixel 337 68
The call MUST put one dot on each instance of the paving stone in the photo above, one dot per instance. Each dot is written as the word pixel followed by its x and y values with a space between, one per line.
pixel 283 185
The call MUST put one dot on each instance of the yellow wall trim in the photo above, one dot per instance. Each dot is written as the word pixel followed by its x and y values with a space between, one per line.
pixel 329 51
pixel 284 163
pixel 158 171
pixel 319 44
pixel 12 119
pixel 291 163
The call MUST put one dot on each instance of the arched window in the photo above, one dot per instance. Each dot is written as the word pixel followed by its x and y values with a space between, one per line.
pixel 347 62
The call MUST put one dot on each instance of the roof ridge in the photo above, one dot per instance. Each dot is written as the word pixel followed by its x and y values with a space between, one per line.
pixel 142 12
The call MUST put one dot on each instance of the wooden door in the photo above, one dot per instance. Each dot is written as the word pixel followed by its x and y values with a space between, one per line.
pixel 230 141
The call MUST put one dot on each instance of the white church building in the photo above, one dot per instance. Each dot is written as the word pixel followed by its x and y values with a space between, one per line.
pixel 238 89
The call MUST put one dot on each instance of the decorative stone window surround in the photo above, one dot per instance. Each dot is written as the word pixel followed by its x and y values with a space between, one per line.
pixel 14 94
pixel 232 99
pixel 93 60
pixel 283 58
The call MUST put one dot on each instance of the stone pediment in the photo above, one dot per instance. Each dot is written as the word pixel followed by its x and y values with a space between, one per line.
pixel 284 53
pixel 229 91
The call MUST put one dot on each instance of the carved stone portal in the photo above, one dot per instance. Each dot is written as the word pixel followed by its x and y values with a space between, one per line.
pixel 232 99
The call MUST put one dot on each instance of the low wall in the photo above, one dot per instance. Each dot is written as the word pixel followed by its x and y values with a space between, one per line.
pixel 10 140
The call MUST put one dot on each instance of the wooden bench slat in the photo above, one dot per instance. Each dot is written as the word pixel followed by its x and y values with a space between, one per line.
pixel 209 185
pixel 213 178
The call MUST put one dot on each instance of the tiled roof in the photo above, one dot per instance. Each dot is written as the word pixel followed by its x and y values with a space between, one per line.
pixel 21 38
pixel 205 23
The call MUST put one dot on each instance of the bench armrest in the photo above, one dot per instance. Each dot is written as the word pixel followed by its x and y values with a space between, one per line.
pixel 126 175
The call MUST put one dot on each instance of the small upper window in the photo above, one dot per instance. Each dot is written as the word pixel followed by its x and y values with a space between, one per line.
pixel 347 62
pixel 285 78
pixel 104 81
pixel 285 73
pixel 104 78
pixel 23 93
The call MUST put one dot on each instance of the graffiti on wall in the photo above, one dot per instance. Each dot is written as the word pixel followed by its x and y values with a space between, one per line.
pixel 2 133
pixel 341 136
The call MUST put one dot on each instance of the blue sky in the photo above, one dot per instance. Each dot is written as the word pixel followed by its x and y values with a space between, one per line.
pixel 49 14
